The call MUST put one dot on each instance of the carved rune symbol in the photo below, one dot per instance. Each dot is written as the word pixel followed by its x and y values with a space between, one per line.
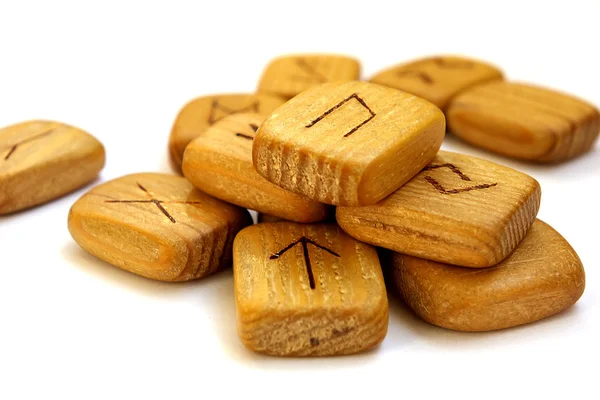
pixel 458 172
pixel 254 128
pixel 158 203
pixel 215 106
pixel 440 63
pixel 312 73
pixel 426 78
pixel 31 139
pixel 304 241
pixel 341 103
pixel 456 64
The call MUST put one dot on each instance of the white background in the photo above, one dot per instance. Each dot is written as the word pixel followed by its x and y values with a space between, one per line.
pixel 73 327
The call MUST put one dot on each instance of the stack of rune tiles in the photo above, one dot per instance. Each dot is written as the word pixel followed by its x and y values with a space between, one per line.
pixel 337 168
pixel 374 153
pixel 514 119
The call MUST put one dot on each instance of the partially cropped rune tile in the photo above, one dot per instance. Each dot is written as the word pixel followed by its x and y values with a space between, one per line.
pixel 524 121
pixel 43 160
pixel 157 225
pixel 459 210
pixel 199 114
pixel 290 75
pixel 349 143
pixel 438 79
pixel 307 290
pixel 542 277
pixel 219 162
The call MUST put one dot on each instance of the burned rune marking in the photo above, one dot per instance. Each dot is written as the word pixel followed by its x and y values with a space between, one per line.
pixel 456 64
pixel 440 63
pixel 158 203
pixel 426 78
pixel 212 118
pixel 458 172
pixel 341 103
pixel 304 241
pixel 451 167
pixel 254 128
pixel 313 74
pixel 14 147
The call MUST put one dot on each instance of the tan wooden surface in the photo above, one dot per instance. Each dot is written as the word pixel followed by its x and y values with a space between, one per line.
pixel 289 75
pixel 542 277
pixel 197 115
pixel 219 162
pixel 459 210
pixel 524 121
pixel 43 160
pixel 348 144
pixel 307 290
pixel 438 79
pixel 157 225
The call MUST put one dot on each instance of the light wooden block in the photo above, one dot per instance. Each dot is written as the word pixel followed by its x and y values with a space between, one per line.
pixel 199 114
pixel 438 79
pixel 524 121
pixel 43 160
pixel 542 277
pixel 348 144
pixel 219 162
pixel 459 210
pixel 288 76
pixel 158 226
pixel 307 290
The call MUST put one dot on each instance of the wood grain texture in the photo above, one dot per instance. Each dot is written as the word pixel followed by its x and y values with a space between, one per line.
pixel 157 225
pixel 524 121
pixel 219 162
pixel 290 75
pixel 43 160
pixel 199 114
pixel 348 144
pixel 438 79
pixel 459 210
pixel 323 295
pixel 542 277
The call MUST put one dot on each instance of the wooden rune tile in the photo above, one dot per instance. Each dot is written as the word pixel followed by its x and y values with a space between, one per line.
pixel 438 79
pixel 542 277
pixel 219 162
pixel 348 143
pixel 157 225
pixel 199 114
pixel 307 290
pixel 524 121
pixel 43 160
pixel 290 75
pixel 458 210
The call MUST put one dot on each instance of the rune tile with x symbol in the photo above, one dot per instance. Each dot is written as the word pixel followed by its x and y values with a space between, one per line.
pixel 158 203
